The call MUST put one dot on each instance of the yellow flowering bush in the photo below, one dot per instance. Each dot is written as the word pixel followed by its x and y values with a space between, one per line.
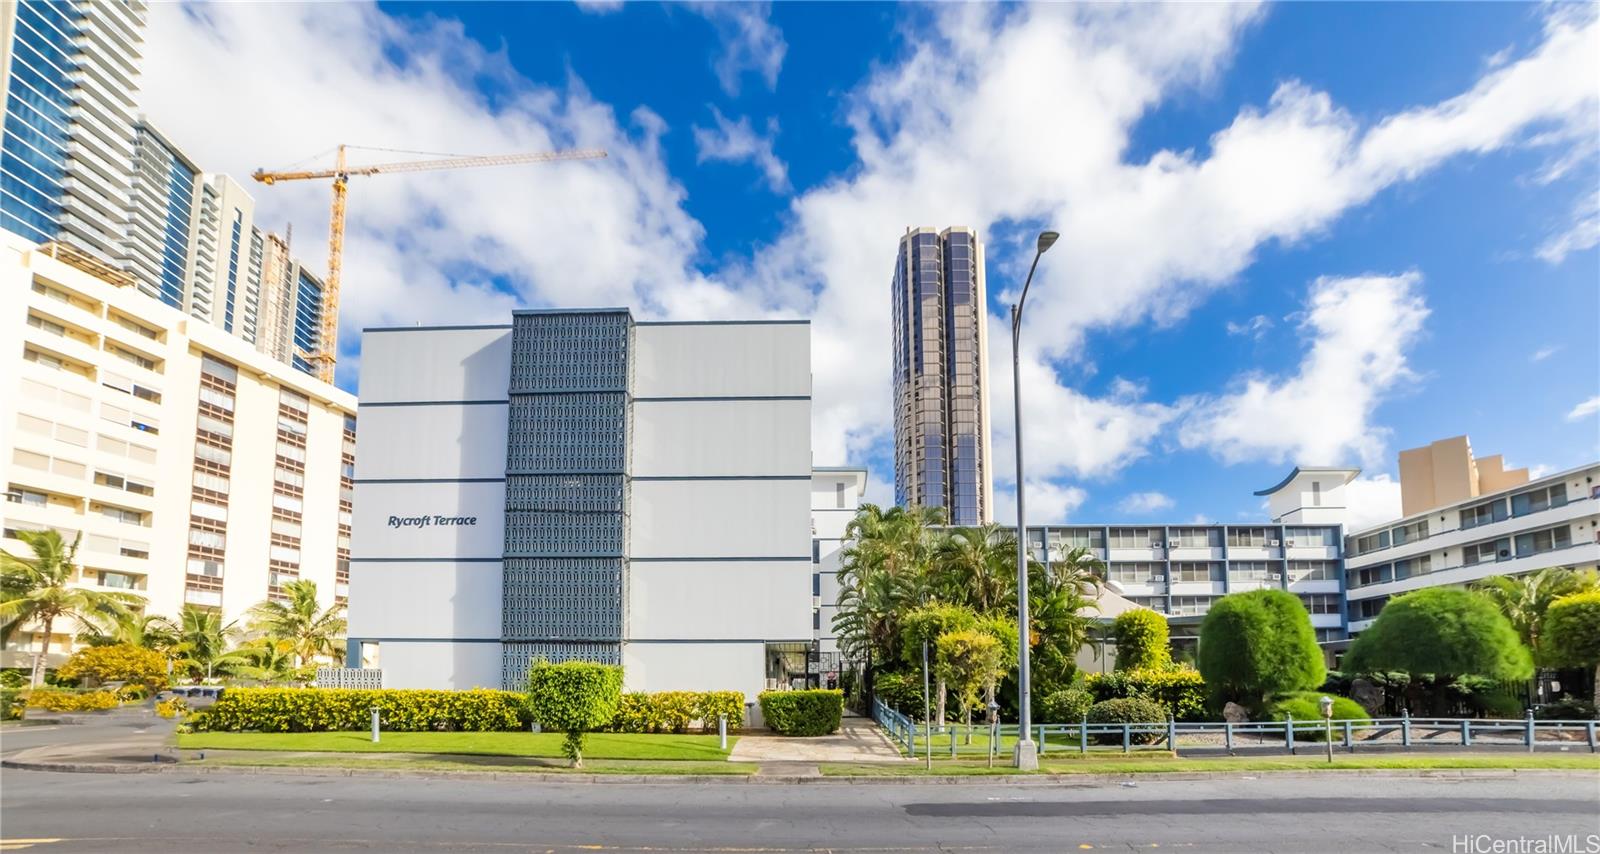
pixel 338 709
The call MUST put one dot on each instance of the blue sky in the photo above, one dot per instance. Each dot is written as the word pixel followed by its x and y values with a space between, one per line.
pixel 1302 233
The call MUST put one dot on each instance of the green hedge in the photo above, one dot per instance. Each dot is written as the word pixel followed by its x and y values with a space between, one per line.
pixel 1127 710
pixel 1067 706
pixel 677 711
pixel 11 704
pixel 1180 691
pixel 331 709
pixel 71 701
pixel 814 712
pixel 1307 706
pixel 1142 640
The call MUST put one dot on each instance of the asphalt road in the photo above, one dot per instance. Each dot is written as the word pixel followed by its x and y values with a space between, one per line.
pixel 50 813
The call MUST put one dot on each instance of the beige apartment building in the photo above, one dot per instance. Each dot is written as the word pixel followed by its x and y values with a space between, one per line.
pixel 196 469
pixel 1446 472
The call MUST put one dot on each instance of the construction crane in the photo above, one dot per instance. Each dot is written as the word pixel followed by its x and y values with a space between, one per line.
pixel 328 340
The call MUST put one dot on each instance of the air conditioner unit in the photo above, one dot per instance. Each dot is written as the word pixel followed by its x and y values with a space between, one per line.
pixel 1155 544
pixel 1505 553
pixel 1272 542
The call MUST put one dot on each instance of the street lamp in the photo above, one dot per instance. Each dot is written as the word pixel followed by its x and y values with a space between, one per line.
pixel 1327 721
pixel 1027 753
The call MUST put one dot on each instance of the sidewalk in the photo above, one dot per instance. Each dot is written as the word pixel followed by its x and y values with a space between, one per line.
pixel 858 740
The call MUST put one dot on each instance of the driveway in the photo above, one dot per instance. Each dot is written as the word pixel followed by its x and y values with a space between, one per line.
pixel 858 740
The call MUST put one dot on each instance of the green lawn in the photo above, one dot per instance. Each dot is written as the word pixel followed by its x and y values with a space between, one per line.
pixel 1165 763
pixel 505 764
pixel 599 745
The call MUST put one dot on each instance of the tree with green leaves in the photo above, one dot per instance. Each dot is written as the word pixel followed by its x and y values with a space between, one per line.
pixel 968 661
pixel 37 591
pixel 1525 599
pixel 205 642
pixel 123 662
pixel 977 567
pixel 883 574
pixel 925 625
pixel 311 630
pixel 149 631
pixel 1143 641
pixel 1257 644
pixel 1572 634
pixel 574 697
pixel 1442 631
pixel 1062 601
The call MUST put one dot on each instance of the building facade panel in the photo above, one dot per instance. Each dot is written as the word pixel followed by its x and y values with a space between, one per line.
pixel 447 365
pixel 756 599
pixel 695 666
pixel 464 520
pixel 430 664
pixel 719 519
pixel 443 441
pixel 437 600
pixel 760 359
pixel 721 437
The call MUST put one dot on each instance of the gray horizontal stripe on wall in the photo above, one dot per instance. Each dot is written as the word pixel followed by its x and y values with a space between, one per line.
pixel 428 640
pixel 360 480
pixel 795 322
pixel 723 477
pixel 426 560
pixel 434 328
pixel 380 403
pixel 721 398
pixel 719 640
pixel 805 558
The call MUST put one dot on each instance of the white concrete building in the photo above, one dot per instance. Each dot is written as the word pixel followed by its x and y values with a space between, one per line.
pixel 1552 521
pixel 835 498
pixel 576 485
pixel 197 470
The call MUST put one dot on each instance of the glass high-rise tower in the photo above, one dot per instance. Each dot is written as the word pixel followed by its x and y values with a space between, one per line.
pixel 941 375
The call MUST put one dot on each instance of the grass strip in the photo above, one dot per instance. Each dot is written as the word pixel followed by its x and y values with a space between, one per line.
pixel 598 745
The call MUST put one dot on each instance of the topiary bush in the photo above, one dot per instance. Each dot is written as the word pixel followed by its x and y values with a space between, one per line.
pixel 813 712
pixel 1256 645
pixel 1180 690
pixel 1307 706
pixel 335 709
pixel 1572 634
pixel 1142 640
pixel 1443 631
pixel 123 662
pixel 71 701
pixel 1067 706
pixel 574 697
pixel 1127 710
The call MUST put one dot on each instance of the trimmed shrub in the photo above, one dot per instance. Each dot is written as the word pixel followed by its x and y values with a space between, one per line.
pixel 1181 691
pixel 1142 640
pixel 336 709
pixel 1067 706
pixel 1566 709
pixel 1127 710
pixel 13 677
pixel 677 711
pixel 901 691
pixel 11 704
pixel 140 668
pixel 72 701
pixel 1572 634
pixel 812 712
pixel 1256 645
pixel 574 697
pixel 1307 706
pixel 1443 631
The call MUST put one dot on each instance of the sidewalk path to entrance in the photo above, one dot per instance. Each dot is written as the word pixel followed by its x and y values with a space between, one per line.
pixel 858 740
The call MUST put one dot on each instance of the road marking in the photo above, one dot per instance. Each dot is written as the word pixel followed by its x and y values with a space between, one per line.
pixel 19 844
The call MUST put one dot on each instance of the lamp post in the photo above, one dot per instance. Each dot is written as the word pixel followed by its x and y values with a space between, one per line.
pixel 1027 753
pixel 1327 720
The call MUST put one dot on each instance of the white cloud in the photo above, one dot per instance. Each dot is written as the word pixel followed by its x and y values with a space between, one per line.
pixel 1583 232
pixel 1543 353
pixel 1584 409
pixel 1361 329
pixel 1255 327
pixel 1049 503
pixel 750 43
pixel 737 142
pixel 598 7
pixel 1371 501
pixel 1145 502
pixel 971 124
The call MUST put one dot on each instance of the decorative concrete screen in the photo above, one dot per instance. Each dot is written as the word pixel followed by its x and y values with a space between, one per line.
pixel 360 678
pixel 566 489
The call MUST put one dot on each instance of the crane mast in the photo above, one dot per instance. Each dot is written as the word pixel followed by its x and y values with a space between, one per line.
pixel 325 355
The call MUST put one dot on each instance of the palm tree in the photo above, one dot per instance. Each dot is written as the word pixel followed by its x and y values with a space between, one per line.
pixel 35 591
pixel 269 660
pixel 1525 598
pixel 884 573
pixel 1061 601
pixel 203 643
pixel 976 567
pixel 310 630
pixel 149 631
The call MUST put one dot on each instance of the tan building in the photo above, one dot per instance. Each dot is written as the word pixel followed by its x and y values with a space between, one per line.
pixel 1445 472
pixel 197 470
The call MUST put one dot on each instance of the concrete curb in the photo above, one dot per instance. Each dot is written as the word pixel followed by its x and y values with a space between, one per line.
pixel 758 779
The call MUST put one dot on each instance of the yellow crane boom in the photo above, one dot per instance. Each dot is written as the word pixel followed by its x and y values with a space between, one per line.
pixel 328 341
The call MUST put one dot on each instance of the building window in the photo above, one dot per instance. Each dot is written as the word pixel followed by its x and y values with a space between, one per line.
pixel 1248 537
pixel 1079 538
pixel 1371 543
pixel 1421 565
pixel 816 551
pixel 839 495
pixel 1197 538
pixel 1321 603
pixel 1488 552
pixel 1411 533
pixel 1539 542
pixel 1312 537
pixel 1193 572
pixel 1367 575
pixel 1483 514
pixel 1135 538
pixel 1524 503
pixel 1134 573
pixel 1312 570
pixel 1258 571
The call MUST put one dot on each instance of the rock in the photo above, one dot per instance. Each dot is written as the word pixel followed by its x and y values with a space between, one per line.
pixel 1234 713
pixel 1370 696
